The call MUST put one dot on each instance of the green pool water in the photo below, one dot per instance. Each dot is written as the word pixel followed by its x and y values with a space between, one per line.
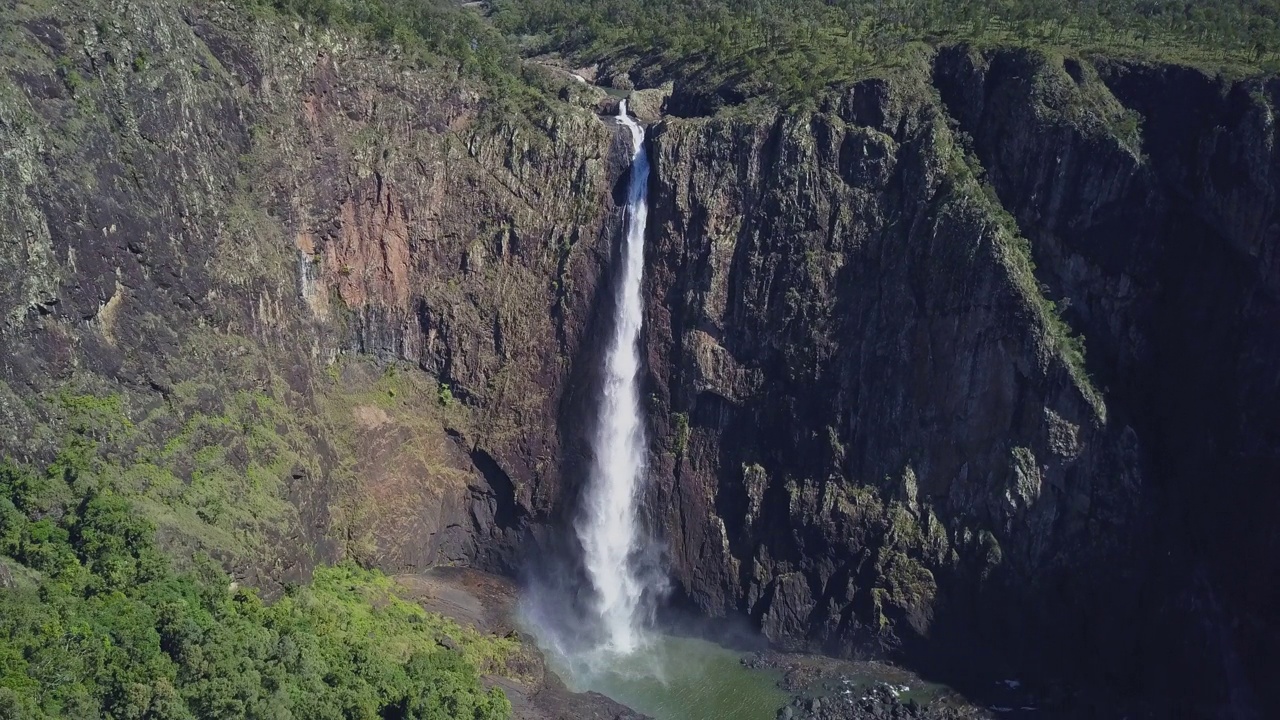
pixel 681 678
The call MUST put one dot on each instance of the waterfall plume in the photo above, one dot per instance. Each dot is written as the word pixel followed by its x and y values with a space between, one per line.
pixel 608 528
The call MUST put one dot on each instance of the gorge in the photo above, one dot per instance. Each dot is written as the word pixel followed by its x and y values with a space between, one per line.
pixel 301 296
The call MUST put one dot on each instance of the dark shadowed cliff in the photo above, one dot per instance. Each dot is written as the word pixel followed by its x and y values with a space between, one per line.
pixel 882 427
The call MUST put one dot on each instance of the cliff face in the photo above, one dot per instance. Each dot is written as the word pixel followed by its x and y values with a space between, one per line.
pixel 303 299
pixel 879 427
pixel 1168 261
pixel 231 247
pixel 888 434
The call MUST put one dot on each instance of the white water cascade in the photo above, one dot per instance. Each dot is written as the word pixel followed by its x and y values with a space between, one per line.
pixel 608 528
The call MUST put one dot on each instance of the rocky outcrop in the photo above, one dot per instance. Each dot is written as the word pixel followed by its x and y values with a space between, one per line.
pixel 880 702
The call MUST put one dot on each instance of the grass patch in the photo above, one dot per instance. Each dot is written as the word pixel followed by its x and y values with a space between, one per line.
pixel 367 406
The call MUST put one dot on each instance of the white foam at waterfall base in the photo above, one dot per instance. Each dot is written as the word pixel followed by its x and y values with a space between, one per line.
pixel 608 528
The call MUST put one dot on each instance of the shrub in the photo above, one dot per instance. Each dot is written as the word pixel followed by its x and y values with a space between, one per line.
pixel 681 423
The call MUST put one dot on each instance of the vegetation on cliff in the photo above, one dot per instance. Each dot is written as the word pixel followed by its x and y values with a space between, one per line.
pixel 432 33
pixel 791 49
pixel 97 623
pixel 430 28
pixel 785 50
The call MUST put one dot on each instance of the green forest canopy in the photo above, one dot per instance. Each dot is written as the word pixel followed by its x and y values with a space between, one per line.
pixel 96 623
pixel 791 49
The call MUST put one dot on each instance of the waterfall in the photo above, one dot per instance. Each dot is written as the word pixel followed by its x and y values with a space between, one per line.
pixel 608 529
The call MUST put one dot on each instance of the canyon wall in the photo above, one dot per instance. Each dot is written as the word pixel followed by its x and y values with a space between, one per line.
pixel 971 362
pixel 880 432
pixel 307 299
pixel 881 425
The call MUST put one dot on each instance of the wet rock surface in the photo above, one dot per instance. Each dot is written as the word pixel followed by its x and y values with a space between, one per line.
pixel 825 687
pixel 881 702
